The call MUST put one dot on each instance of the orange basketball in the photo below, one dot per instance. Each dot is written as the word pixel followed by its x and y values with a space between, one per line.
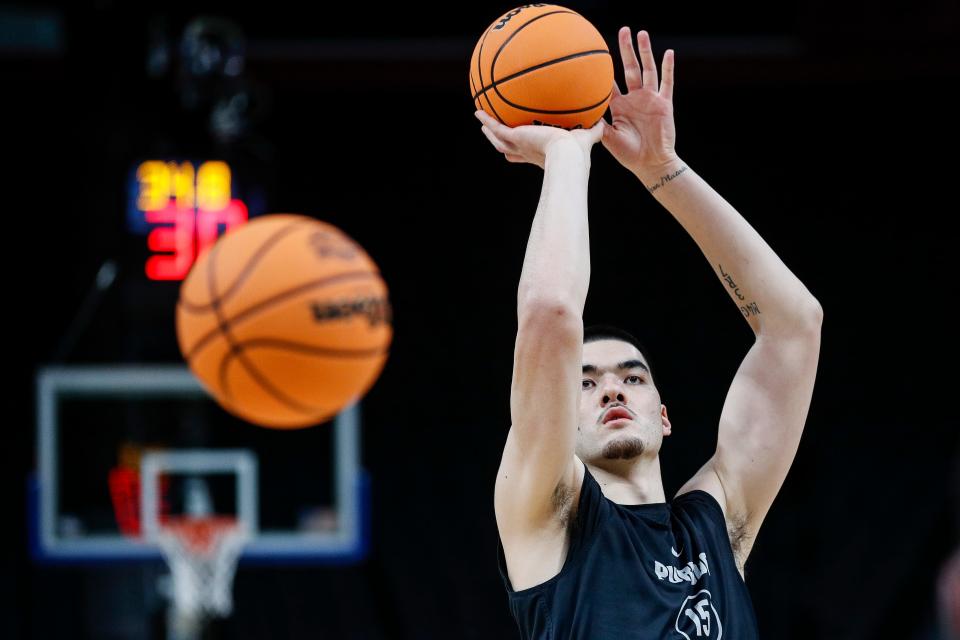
pixel 285 321
pixel 542 64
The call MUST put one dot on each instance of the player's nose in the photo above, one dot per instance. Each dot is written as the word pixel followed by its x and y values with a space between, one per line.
pixel 610 394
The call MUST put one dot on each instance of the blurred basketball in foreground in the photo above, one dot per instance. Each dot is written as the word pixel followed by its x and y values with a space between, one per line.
pixel 542 64
pixel 285 321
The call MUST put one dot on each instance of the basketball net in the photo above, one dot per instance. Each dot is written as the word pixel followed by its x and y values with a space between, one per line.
pixel 202 554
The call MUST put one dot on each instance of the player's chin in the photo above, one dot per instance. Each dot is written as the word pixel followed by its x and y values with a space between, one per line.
pixel 623 447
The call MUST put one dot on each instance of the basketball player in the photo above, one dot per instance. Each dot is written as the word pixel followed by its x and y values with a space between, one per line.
pixel 590 546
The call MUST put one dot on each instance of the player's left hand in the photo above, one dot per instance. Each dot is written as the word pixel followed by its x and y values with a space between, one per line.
pixel 641 135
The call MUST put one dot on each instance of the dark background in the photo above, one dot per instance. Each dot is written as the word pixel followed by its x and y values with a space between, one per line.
pixel 829 126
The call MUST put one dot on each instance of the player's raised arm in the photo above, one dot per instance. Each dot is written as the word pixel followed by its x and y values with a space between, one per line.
pixel 767 404
pixel 539 454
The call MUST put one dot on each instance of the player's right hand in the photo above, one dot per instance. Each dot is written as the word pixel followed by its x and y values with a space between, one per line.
pixel 530 143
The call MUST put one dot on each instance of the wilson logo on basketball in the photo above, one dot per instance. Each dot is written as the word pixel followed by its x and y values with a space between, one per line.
pixel 556 126
pixel 330 245
pixel 506 18
pixel 377 310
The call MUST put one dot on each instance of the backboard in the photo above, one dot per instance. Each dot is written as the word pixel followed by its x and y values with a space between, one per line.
pixel 96 423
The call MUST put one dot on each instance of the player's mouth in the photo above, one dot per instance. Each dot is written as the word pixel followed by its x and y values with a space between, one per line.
pixel 616 414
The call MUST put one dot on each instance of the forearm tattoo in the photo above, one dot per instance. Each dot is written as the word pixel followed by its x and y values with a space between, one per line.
pixel 664 179
pixel 747 308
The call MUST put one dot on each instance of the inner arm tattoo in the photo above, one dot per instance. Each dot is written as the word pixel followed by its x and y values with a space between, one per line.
pixel 747 308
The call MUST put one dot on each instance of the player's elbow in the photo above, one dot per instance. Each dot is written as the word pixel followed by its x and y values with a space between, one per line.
pixel 554 316
pixel 812 315
pixel 804 318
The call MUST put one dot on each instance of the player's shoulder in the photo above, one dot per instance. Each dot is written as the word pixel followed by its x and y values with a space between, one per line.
pixel 705 487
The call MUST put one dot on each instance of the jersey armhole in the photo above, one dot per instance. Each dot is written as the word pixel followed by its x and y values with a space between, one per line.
pixel 576 549
pixel 699 495
pixel 713 506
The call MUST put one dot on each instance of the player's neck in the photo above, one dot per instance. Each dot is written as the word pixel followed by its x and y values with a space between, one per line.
pixel 635 481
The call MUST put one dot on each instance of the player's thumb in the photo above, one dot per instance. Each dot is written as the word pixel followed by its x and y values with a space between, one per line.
pixel 609 136
pixel 597 131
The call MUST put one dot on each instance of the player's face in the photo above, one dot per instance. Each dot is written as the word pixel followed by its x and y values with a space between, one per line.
pixel 621 416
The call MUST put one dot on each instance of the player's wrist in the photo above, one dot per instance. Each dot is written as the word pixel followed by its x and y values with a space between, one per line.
pixel 566 150
pixel 560 144
pixel 658 174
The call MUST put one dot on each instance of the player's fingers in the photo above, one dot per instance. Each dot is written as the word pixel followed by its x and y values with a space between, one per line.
pixel 614 104
pixel 631 67
pixel 666 87
pixel 615 93
pixel 494 140
pixel 648 62
pixel 483 117
pixel 498 129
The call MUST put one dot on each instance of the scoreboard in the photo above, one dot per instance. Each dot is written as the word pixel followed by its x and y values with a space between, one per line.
pixel 182 208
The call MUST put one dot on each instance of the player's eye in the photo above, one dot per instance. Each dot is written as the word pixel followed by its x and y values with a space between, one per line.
pixel 635 379
pixel 586 384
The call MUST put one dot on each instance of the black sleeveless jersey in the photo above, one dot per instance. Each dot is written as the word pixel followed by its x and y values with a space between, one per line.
pixel 645 572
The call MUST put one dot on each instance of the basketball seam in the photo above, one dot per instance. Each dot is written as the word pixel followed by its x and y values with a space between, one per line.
pixel 215 301
pixel 557 112
pixel 295 347
pixel 302 348
pixel 238 355
pixel 238 351
pixel 247 269
pixel 222 377
pixel 287 345
pixel 259 306
pixel 480 73
pixel 476 100
pixel 514 76
pixel 493 63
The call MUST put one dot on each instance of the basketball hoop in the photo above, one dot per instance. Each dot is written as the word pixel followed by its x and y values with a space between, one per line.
pixel 202 554
pixel 202 549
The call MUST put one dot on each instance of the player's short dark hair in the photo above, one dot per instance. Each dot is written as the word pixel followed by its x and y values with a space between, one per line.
pixel 596 332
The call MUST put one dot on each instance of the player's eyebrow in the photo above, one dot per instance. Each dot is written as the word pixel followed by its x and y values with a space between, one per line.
pixel 626 364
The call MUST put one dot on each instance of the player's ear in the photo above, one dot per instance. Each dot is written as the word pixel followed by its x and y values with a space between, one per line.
pixel 664 420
